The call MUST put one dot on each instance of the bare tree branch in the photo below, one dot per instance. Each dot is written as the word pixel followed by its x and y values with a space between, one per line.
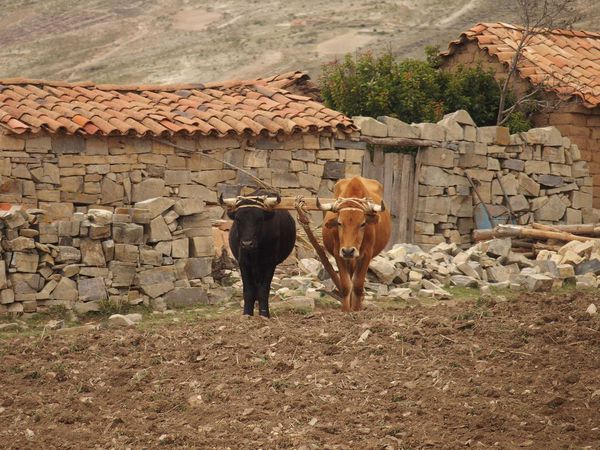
pixel 538 17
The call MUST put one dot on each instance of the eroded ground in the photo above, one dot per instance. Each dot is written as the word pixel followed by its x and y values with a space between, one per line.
pixel 517 372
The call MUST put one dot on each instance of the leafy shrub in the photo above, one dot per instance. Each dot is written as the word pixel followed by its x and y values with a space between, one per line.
pixel 413 90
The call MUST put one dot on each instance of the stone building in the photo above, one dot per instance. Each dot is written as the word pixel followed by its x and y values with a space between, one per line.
pixel 109 191
pixel 539 174
pixel 565 64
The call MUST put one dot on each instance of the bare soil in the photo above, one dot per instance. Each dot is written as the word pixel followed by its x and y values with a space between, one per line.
pixel 519 372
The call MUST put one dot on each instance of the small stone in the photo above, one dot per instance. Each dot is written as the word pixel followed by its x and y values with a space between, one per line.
pixel 591 310
pixel 118 320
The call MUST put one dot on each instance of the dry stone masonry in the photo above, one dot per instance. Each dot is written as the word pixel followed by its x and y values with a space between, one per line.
pixel 542 172
pixel 125 219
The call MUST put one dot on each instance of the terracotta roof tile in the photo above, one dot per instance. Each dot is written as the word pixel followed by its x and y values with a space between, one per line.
pixel 243 107
pixel 564 61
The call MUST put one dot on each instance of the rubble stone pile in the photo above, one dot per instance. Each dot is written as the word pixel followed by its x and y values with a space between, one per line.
pixel 158 252
pixel 407 271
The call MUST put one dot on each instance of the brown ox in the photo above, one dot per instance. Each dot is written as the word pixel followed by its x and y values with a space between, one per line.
pixel 356 228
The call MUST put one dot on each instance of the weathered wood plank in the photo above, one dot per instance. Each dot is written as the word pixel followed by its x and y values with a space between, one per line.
pixel 396 207
pixel 405 192
pixel 413 196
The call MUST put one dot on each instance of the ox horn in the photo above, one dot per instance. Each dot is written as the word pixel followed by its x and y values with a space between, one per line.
pixel 229 202
pixel 325 206
pixel 272 201
pixel 373 208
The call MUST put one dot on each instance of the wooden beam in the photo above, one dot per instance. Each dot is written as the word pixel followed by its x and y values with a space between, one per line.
pixel 407 142
pixel 288 203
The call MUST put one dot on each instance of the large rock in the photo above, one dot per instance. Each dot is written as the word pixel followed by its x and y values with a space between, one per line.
pixel 551 180
pixel 198 267
pixel 464 281
pixel 383 269
pixel 198 192
pixel 65 290
pixel 536 282
pixel 519 203
pixel 156 205
pixel 111 191
pixel 580 200
pixel 548 136
pixel 541 167
pixel 553 210
pixel 397 128
pixel 67 254
pixel 159 230
pixel 591 266
pixel 26 262
pixel 187 206
pixel 128 233
pixel 91 289
pixel 148 188
pixel 185 296
pixel 127 253
pixel 370 127
pixel 157 281
pixel 123 273
pixel 499 247
pixel 431 131
pixel 92 253
pixel 21 243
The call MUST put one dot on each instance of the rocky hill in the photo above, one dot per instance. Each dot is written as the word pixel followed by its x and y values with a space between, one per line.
pixel 193 40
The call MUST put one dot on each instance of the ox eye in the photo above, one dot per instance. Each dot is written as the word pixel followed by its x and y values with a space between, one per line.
pixel 362 225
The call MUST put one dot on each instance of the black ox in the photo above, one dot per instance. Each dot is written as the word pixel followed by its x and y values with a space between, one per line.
pixel 260 239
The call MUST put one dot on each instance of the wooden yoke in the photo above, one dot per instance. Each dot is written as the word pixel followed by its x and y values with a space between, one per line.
pixel 308 204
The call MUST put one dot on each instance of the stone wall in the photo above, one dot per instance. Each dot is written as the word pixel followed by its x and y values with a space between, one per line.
pixel 578 123
pixel 158 252
pixel 67 174
pixel 543 174
pixel 88 220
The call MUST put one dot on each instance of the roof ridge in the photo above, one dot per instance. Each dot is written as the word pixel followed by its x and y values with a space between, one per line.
pixel 292 76
pixel 559 31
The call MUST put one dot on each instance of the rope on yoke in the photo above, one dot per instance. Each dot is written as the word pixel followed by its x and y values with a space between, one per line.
pixel 304 220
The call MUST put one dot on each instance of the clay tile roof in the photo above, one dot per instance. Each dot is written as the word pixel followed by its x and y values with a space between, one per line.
pixel 266 106
pixel 563 61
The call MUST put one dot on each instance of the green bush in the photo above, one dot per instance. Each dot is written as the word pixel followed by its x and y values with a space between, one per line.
pixel 413 90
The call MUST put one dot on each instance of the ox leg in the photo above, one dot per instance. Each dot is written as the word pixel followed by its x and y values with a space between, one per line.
pixel 250 291
pixel 358 283
pixel 344 269
pixel 264 289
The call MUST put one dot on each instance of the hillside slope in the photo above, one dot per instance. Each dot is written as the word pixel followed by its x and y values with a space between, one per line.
pixel 186 40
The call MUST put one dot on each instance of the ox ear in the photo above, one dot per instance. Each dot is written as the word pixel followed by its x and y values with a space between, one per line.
pixel 372 218
pixel 231 213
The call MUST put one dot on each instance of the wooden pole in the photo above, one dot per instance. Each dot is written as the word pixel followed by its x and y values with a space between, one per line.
pixel 586 229
pixel 305 222
pixel 407 142
pixel 527 233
